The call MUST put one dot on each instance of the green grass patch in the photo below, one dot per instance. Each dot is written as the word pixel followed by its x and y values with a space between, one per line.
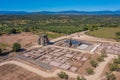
pixel 50 34
pixel 54 35
pixel 104 32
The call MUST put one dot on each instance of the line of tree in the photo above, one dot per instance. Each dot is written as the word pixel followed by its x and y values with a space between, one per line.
pixel 65 76
pixel 66 24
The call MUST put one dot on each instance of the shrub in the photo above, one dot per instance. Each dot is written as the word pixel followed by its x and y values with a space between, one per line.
pixel 89 70
pixel 117 61
pixel 100 58
pixel 93 63
pixel 16 47
pixel 26 29
pixel 118 56
pixel 63 75
pixel 113 67
pixel 103 54
pixel 110 76
pixel 80 78
pixel 117 33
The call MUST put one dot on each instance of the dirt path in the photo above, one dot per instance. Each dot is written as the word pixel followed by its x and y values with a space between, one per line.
pixel 83 36
pixel 98 70
pixel 38 71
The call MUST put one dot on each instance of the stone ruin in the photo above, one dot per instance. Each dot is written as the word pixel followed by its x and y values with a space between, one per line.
pixel 43 40
pixel 69 42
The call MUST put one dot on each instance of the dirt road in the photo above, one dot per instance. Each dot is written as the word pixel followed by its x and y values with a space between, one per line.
pixel 83 36
pixel 98 71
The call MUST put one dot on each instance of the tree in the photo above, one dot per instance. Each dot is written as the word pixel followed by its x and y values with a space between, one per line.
pixel 63 75
pixel 26 29
pixel 110 76
pixel 102 56
pixel 89 70
pixel 91 28
pixel 117 38
pixel 12 31
pixel 93 63
pixel 80 78
pixel 118 34
pixel 16 47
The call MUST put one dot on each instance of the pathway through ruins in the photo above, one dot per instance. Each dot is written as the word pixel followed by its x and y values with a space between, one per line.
pixel 98 70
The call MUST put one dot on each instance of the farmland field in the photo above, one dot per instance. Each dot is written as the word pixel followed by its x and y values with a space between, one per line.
pixel 104 32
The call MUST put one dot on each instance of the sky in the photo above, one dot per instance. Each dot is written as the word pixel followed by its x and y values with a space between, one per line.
pixel 59 5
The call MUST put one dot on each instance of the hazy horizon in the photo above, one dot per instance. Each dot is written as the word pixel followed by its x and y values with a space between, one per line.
pixel 57 11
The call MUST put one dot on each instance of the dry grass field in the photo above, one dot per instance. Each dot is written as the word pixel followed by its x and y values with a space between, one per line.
pixel 13 72
pixel 25 39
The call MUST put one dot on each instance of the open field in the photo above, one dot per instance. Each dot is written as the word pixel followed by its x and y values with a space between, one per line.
pixel 104 32
pixel 54 35
pixel 14 72
pixel 26 39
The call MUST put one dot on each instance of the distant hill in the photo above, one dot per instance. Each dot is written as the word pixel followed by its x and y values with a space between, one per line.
pixel 70 12
pixel 13 12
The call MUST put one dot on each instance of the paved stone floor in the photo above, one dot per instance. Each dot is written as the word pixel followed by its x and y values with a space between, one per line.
pixel 109 48
pixel 57 57
pixel 68 59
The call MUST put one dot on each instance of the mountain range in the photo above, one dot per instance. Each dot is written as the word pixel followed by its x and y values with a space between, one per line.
pixel 69 12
